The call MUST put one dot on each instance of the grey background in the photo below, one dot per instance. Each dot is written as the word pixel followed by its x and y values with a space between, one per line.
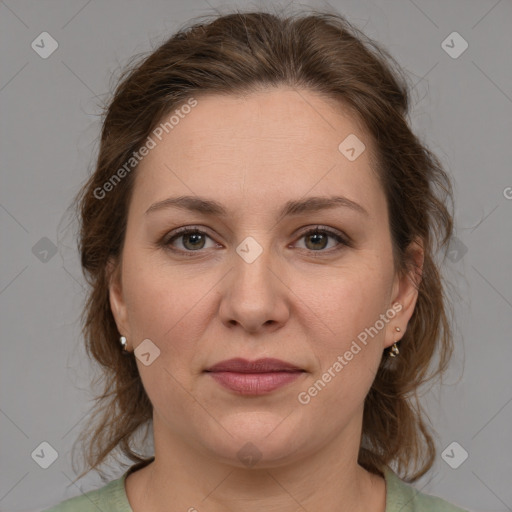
pixel 49 133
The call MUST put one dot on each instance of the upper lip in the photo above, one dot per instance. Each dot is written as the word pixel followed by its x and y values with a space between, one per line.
pixel 265 365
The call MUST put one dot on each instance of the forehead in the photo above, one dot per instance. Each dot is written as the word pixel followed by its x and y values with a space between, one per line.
pixel 261 147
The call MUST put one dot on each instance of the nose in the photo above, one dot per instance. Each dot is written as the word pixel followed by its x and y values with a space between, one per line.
pixel 254 295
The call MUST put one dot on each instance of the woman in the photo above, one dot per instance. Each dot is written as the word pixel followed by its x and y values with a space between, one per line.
pixel 259 236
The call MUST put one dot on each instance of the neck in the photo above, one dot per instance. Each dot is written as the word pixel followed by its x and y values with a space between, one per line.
pixel 325 480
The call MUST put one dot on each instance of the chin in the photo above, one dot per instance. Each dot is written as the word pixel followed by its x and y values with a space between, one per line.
pixel 258 439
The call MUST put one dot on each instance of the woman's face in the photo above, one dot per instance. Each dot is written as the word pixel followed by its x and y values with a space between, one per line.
pixel 253 282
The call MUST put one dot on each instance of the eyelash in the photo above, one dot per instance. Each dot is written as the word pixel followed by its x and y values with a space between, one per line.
pixel 342 241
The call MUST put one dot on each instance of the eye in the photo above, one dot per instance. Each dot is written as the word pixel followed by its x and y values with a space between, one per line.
pixel 192 239
pixel 317 239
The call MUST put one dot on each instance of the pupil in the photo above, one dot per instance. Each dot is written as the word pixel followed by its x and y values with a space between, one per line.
pixel 196 236
pixel 317 236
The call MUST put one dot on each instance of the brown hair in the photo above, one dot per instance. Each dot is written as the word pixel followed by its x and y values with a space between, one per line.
pixel 235 54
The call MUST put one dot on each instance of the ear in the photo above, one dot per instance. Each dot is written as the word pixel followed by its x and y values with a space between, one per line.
pixel 405 292
pixel 117 301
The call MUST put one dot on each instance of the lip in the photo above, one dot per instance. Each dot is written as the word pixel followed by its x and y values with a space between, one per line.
pixel 265 365
pixel 254 377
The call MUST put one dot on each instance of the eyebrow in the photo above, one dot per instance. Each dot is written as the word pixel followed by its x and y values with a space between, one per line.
pixel 210 207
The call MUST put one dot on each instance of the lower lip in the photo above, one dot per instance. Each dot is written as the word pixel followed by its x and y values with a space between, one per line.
pixel 254 383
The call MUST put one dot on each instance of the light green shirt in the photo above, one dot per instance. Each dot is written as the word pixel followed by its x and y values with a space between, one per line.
pixel 400 497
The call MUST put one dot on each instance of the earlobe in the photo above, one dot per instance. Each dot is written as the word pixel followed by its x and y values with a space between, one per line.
pixel 407 290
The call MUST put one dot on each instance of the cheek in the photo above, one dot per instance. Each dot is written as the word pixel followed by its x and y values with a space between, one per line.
pixel 161 309
pixel 348 309
pixel 154 303
pixel 167 306
pixel 350 299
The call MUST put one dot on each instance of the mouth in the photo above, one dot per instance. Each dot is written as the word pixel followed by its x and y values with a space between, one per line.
pixel 254 377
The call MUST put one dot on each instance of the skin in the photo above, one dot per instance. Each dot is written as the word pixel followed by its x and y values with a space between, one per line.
pixel 301 301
